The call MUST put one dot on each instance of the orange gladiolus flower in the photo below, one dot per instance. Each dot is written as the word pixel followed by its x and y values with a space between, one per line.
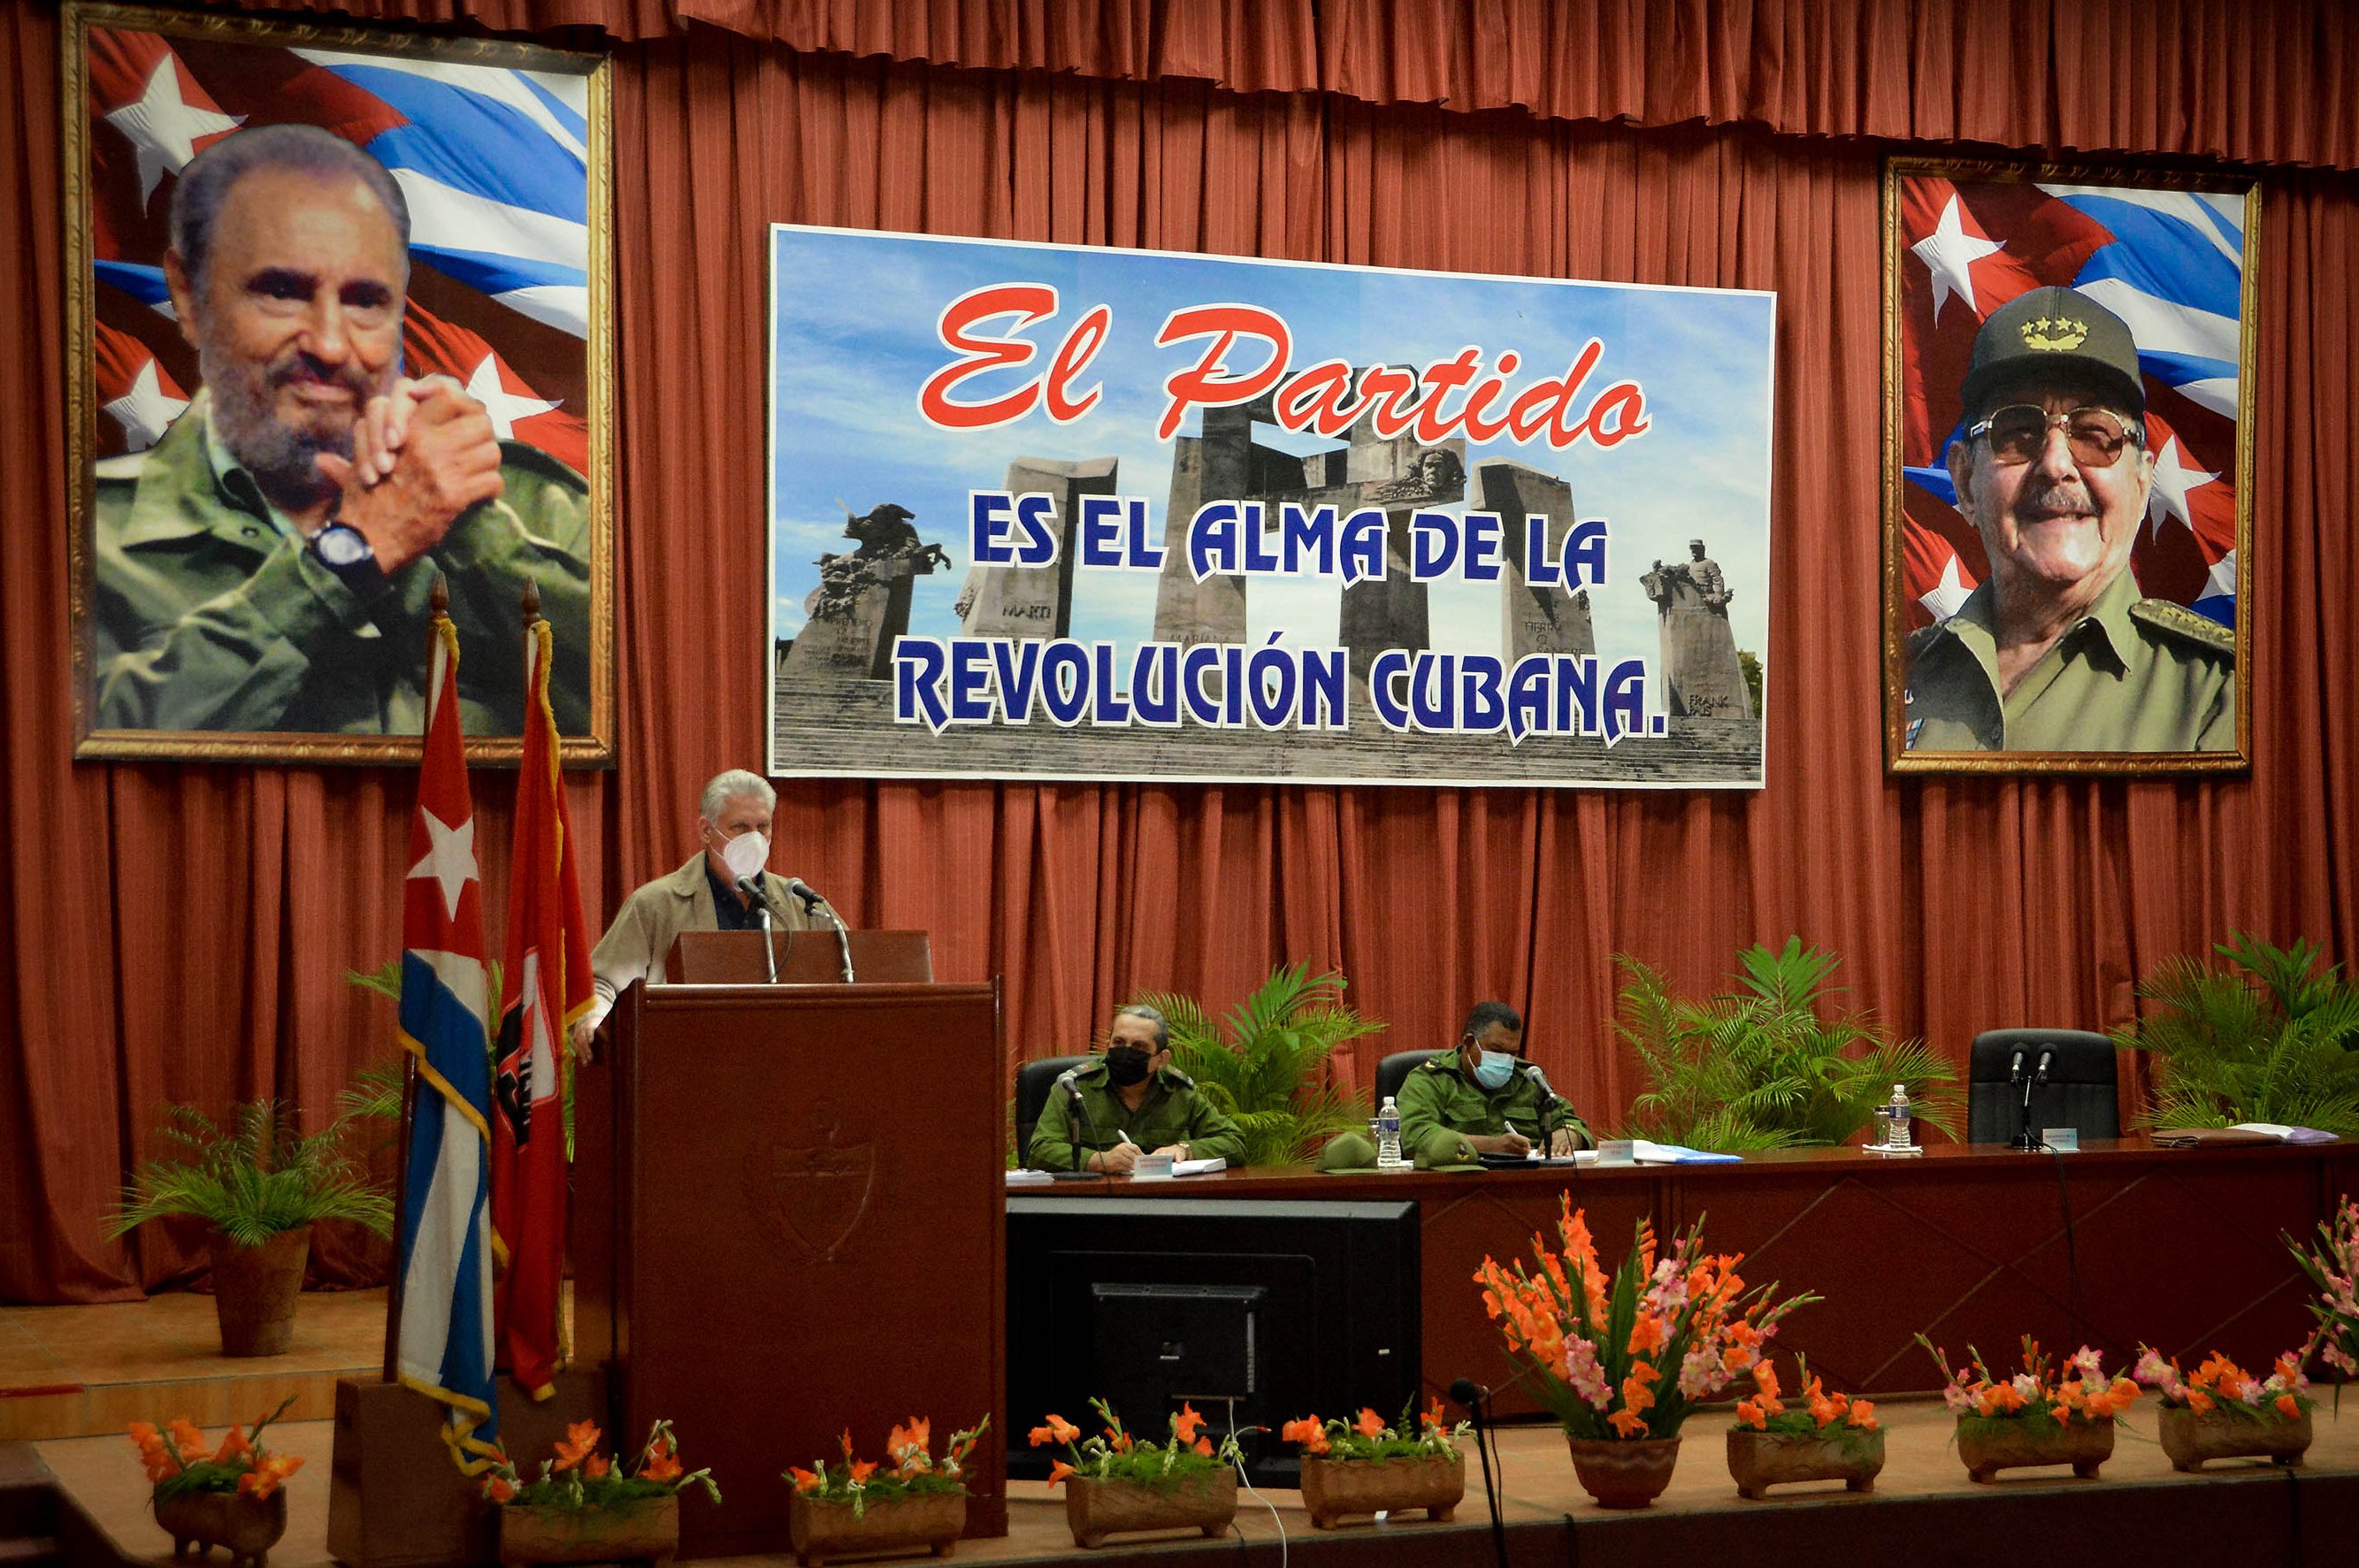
pixel 661 1466
pixel 2123 1391
pixel 1629 1424
pixel 1058 1471
pixel 806 1480
pixel 581 1442
pixel 2288 1406
pixel 188 1439
pixel 861 1470
pixel 1122 1444
pixel 1750 1415
pixel 268 1472
pixel 1764 1377
pixel 2288 1370
pixel 1863 1415
pixel 1204 1446
pixel 1298 1430
pixel 1648 1334
pixel 1370 1423
pixel 1061 1430
pixel 596 1465
pixel 1188 1424
pixel 2197 1399
pixel 232 1444
pixel 499 1488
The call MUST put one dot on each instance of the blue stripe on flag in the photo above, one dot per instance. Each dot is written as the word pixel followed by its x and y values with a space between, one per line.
pixel 497 275
pixel 458 1291
pixel 2220 606
pixel 1934 480
pixel 2162 255
pixel 145 284
pixel 565 113
pixel 2178 370
pixel 474 144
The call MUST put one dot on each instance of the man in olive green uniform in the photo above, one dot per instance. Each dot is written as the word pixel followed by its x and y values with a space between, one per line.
pixel 1131 1101
pixel 1484 1099
pixel 2055 650
pixel 267 566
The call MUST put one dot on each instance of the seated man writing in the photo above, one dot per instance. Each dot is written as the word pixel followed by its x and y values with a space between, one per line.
pixel 1484 1099
pixel 1130 1101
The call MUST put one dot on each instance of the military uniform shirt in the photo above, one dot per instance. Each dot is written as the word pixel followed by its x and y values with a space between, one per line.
pixel 2134 675
pixel 1174 1111
pixel 1440 1107
pixel 210 614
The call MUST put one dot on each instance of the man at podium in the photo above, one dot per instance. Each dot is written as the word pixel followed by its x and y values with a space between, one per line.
pixel 724 888
pixel 1130 1101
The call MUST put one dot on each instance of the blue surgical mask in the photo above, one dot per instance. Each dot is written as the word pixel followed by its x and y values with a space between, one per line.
pixel 1495 1068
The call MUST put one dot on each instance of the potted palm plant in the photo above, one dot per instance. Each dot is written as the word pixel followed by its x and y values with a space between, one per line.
pixel 1268 1072
pixel 1761 1067
pixel 2265 1040
pixel 259 1183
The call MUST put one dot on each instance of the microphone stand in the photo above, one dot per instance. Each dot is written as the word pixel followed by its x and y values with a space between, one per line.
pixel 1079 1113
pixel 2024 1142
pixel 1475 1396
pixel 753 891
pixel 843 938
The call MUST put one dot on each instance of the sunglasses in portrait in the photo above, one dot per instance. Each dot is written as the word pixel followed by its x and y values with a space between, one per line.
pixel 2018 431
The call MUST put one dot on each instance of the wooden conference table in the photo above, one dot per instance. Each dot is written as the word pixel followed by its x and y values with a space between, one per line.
pixel 2120 1244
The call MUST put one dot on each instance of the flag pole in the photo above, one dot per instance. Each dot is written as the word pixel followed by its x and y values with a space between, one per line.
pixel 438 602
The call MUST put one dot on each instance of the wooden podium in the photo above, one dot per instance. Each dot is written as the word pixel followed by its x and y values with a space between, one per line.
pixel 789 1215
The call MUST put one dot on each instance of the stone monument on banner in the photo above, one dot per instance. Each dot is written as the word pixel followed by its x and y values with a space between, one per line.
pixel 1036 601
pixel 1701 672
pixel 862 602
pixel 1549 619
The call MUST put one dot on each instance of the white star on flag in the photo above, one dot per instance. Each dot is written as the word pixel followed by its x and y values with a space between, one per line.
pixel 146 410
pixel 505 406
pixel 2172 480
pixel 1942 599
pixel 449 858
pixel 1950 253
pixel 164 128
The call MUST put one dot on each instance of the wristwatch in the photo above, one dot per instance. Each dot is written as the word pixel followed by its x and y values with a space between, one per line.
pixel 345 551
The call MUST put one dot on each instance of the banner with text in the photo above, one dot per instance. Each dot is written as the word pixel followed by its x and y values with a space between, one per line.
pixel 1058 512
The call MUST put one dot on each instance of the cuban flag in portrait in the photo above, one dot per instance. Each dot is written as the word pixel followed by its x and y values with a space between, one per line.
pixel 443 1348
pixel 2169 263
pixel 492 161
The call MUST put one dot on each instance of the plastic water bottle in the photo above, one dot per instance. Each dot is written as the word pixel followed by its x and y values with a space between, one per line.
pixel 1896 1113
pixel 1388 1149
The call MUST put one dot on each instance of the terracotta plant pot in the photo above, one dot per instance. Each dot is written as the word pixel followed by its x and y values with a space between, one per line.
pixel 1334 1489
pixel 1620 1475
pixel 1095 1510
pixel 646 1531
pixel 248 1527
pixel 1759 1460
pixel 2191 1439
pixel 256 1289
pixel 823 1531
pixel 1996 1446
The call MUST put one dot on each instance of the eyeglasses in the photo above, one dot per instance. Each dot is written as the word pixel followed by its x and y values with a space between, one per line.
pixel 2018 432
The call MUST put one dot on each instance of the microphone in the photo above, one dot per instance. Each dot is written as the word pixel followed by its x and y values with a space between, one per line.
pixel 1548 1103
pixel 815 904
pixel 1081 1113
pixel 805 891
pixel 2040 1075
pixel 750 890
pixel 2014 1068
pixel 1470 1393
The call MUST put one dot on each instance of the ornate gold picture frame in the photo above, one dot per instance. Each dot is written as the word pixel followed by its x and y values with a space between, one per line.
pixel 339 320
pixel 2067 377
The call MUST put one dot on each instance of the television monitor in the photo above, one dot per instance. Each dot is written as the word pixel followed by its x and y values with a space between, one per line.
pixel 1255 1313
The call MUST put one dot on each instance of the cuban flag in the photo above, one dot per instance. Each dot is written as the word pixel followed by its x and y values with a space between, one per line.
pixel 444 1347
pixel 2169 263
pixel 493 162
pixel 544 988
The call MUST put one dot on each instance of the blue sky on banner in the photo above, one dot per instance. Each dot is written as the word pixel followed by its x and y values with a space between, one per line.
pixel 854 339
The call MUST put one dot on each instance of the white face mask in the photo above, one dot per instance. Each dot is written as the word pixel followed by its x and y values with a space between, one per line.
pixel 746 855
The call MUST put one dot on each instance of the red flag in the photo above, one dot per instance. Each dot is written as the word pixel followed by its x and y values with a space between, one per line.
pixel 545 988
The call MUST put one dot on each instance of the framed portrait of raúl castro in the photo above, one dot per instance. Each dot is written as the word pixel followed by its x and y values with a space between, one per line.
pixel 2067 469
pixel 339 322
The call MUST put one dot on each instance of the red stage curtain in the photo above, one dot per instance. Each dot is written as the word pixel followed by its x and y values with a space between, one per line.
pixel 180 932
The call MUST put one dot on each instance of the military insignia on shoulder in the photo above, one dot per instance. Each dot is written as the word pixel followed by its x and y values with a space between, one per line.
pixel 1179 1077
pixel 129 466
pixel 2166 615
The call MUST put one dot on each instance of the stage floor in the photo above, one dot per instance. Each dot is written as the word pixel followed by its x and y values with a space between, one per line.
pixel 2214 1512
pixel 73 1371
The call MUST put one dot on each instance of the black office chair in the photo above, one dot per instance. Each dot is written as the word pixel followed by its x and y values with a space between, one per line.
pixel 2079 1092
pixel 1395 1069
pixel 1033 1079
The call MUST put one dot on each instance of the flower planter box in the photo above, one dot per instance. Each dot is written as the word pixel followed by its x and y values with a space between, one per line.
pixel 256 1289
pixel 248 1527
pixel 1335 1489
pixel 1996 1446
pixel 1620 1474
pixel 646 1531
pixel 1759 1460
pixel 2191 1439
pixel 1095 1510
pixel 823 1530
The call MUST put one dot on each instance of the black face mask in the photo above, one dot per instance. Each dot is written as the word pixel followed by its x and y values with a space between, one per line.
pixel 1125 1065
